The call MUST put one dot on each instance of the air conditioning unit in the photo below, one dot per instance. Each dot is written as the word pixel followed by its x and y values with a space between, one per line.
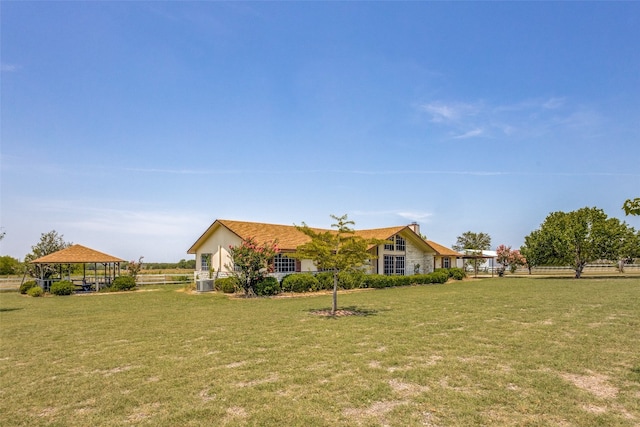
pixel 205 285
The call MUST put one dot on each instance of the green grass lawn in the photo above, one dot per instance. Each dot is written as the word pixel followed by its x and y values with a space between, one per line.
pixel 512 351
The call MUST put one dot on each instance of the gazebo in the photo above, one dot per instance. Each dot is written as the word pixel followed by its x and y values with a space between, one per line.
pixel 78 254
pixel 475 255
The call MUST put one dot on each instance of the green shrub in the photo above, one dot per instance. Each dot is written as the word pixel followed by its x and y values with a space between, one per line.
pixel 123 283
pixel 325 280
pixel 422 279
pixel 267 286
pixel 346 280
pixel 300 283
pixel 377 281
pixel 27 285
pixel 350 280
pixel 440 276
pixel 35 291
pixel 402 280
pixel 63 287
pixel 227 285
pixel 457 273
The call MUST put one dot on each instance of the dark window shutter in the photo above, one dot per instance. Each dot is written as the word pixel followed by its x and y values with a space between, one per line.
pixel 298 266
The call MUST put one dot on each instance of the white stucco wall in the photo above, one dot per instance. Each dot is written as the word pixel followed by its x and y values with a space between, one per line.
pixel 218 245
pixel 306 265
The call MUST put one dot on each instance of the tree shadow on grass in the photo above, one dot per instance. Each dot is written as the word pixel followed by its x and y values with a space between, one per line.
pixel 2 310
pixel 583 276
pixel 343 312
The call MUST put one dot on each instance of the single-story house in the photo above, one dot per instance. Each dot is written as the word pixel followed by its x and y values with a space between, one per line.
pixel 405 253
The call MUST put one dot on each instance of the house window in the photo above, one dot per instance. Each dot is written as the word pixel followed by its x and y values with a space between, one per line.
pixel 205 262
pixel 397 244
pixel 393 265
pixel 284 264
pixel 446 262
pixel 388 265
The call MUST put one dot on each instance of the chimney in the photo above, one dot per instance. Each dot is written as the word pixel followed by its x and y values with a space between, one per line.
pixel 415 227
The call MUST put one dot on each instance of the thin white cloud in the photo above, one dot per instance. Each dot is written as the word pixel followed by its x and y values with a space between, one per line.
pixel 408 215
pixel 417 172
pixel 415 216
pixel 470 134
pixel 554 103
pixel 534 117
pixel 9 68
pixel 441 112
pixel 85 216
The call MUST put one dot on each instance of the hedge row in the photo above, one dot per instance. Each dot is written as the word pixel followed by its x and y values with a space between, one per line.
pixel 309 282
pixel 65 287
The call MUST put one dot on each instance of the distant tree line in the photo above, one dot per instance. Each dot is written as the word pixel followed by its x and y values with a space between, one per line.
pixel 53 242
pixel 182 264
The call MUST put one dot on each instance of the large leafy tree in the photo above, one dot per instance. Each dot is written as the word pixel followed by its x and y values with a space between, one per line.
pixel 578 237
pixel 9 265
pixel 632 207
pixel 537 249
pixel 49 243
pixel 335 250
pixel 252 262
pixel 474 243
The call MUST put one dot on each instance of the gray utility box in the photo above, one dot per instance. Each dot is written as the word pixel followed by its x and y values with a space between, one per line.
pixel 204 285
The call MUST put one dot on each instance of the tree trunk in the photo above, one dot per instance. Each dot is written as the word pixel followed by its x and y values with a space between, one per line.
pixel 579 270
pixel 334 306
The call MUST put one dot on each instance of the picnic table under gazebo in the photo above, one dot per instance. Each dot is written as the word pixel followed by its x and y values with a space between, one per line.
pixel 78 254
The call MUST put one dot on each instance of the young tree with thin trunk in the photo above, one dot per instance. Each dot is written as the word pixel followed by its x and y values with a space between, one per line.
pixel 335 250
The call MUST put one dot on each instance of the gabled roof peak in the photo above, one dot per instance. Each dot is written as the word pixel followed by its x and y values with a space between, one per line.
pixel 76 254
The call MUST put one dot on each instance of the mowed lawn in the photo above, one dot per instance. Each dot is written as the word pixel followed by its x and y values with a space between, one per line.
pixel 496 352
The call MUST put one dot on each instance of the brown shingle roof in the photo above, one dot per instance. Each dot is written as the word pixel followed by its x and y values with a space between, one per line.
pixel 443 250
pixel 76 254
pixel 380 233
pixel 289 238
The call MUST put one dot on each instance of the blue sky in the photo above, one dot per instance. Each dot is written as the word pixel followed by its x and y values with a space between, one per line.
pixel 129 127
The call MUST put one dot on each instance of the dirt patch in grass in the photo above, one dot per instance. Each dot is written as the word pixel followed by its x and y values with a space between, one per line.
pixel 235 364
pixel 338 313
pixel 377 410
pixel 116 370
pixel 594 383
pixel 270 379
pixel 407 389
pixel 343 312
pixel 234 413
pixel 205 396
pixel 142 413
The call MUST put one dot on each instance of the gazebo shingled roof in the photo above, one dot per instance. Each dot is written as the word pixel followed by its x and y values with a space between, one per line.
pixel 77 254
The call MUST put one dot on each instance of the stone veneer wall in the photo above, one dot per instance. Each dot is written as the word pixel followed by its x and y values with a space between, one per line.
pixel 415 256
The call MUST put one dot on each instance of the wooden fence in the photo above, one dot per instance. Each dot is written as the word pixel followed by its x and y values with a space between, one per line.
pixel 163 279
pixel 13 283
